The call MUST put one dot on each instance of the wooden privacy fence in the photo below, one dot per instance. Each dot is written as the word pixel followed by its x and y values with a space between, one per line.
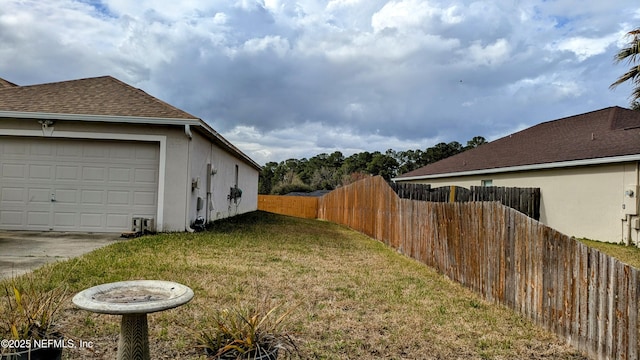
pixel 587 297
pixel 300 206
pixel 525 200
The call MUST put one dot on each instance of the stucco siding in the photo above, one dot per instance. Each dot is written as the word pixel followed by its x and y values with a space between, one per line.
pixel 213 170
pixel 586 201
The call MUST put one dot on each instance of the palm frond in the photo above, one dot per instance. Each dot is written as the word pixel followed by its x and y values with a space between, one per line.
pixel 632 74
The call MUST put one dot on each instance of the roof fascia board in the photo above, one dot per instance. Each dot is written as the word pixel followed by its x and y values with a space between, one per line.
pixel 555 165
pixel 99 118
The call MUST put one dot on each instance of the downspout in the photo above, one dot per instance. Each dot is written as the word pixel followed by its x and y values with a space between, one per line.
pixel 210 172
pixel 187 223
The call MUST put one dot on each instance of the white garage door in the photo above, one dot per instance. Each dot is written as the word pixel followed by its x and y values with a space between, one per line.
pixel 76 185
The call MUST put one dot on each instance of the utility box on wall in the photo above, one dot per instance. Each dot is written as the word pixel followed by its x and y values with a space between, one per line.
pixel 630 200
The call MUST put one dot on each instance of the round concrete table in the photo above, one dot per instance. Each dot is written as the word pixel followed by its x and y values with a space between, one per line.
pixel 133 300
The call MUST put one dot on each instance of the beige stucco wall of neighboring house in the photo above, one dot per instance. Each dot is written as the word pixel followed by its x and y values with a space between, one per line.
pixel 587 201
pixel 178 150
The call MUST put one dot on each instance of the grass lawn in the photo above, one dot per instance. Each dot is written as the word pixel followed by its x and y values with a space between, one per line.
pixel 355 298
pixel 627 254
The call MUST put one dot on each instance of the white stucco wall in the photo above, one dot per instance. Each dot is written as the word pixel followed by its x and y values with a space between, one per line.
pixel 586 201
pixel 222 164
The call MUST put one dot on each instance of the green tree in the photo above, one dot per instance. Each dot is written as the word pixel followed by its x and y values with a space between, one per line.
pixel 630 54
pixel 266 178
pixel 475 142
pixel 440 151
pixel 357 162
pixel 383 165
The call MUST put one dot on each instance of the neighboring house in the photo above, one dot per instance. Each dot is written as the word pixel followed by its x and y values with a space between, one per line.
pixel 586 166
pixel 93 154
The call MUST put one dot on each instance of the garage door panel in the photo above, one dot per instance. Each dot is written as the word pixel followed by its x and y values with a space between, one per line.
pixel 13 171
pixel 67 197
pixel 43 150
pixel 146 154
pixel 145 176
pixel 40 172
pixel 144 198
pixel 93 174
pixel 66 173
pixel 96 152
pixel 118 221
pixel 12 195
pixel 65 219
pixel 122 153
pixel 69 150
pixel 93 197
pixel 92 220
pixel 38 218
pixel 12 219
pixel 39 196
pixel 13 148
pixel 118 198
pixel 94 185
pixel 121 175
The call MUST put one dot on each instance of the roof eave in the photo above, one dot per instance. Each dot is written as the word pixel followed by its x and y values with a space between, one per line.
pixel 546 166
pixel 99 118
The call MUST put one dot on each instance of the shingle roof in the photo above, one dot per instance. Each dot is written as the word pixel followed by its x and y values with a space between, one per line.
pixel 609 132
pixel 93 96
pixel 6 84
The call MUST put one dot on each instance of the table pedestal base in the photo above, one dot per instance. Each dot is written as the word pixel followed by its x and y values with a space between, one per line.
pixel 133 343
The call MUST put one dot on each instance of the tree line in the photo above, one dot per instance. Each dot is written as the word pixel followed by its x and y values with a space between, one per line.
pixel 329 171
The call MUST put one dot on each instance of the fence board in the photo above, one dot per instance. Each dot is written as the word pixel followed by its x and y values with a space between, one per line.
pixel 525 200
pixel 300 206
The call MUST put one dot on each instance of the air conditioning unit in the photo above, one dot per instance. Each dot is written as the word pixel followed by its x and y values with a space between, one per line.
pixel 143 225
pixel 136 224
pixel 148 225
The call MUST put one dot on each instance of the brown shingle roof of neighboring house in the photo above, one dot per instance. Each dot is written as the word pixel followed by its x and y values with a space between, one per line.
pixel 606 133
pixel 6 84
pixel 93 96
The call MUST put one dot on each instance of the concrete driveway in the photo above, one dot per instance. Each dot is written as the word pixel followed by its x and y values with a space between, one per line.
pixel 23 251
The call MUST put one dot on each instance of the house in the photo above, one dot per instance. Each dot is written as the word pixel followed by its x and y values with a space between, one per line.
pixel 98 155
pixel 586 166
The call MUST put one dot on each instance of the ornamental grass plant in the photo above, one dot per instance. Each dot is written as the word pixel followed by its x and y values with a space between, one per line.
pixel 29 309
pixel 249 331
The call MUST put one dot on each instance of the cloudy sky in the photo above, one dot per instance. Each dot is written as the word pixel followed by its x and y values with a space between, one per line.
pixel 292 79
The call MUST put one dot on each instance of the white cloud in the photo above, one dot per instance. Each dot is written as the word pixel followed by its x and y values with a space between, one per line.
pixel 584 47
pixel 338 4
pixel 490 55
pixel 407 15
pixel 275 43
